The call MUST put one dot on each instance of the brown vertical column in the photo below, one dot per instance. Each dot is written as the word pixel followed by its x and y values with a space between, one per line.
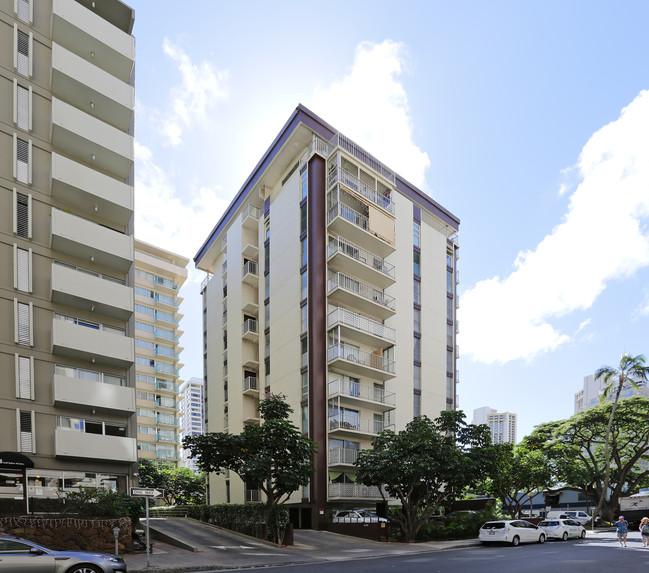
pixel 317 275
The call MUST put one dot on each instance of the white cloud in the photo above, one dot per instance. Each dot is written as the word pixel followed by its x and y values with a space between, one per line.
pixel 164 219
pixel 602 237
pixel 370 106
pixel 190 102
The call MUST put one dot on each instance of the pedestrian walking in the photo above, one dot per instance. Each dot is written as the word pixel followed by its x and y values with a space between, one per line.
pixel 644 530
pixel 622 527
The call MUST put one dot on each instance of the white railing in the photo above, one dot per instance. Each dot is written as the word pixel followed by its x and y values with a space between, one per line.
pixel 345 421
pixel 353 354
pixel 359 186
pixel 249 268
pixel 361 289
pixel 360 322
pixel 316 146
pixel 340 245
pixel 339 140
pixel 349 214
pixel 205 282
pixel 354 490
pixel 250 325
pixel 342 456
pixel 250 211
pixel 250 383
pixel 361 391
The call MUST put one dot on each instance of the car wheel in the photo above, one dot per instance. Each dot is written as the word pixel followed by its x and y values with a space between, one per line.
pixel 542 538
pixel 84 569
pixel 583 534
pixel 516 541
pixel 564 537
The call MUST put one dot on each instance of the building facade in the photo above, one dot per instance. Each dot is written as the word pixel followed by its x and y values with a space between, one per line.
pixel 158 276
pixel 192 412
pixel 332 281
pixel 501 424
pixel 591 393
pixel 66 249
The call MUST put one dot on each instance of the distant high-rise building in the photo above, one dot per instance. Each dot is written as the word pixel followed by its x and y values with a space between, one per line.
pixel 192 412
pixel 591 393
pixel 66 246
pixel 501 424
pixel 158 276
pixel 333 283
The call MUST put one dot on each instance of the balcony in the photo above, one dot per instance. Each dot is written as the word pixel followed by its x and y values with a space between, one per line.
pixel 249 273
pixel 90 241
pixel 349 358
pixel 250 217
pixel 166 386
pixel 170 302
pixel 81 289
pixel 169 437
pixel 165 318
pixel 249 330
pixel 73 444
pixel 94 38
pixel 88 395
pixel 91 191
pixel 168 286
pixel 166 402
pixel 369 229
pixel 342 457
pixel 346 424
pixel 90 344
pixel 166 420
pixel 166 369
pixel 249 300
pixel 361 329
pixel 166 335
pixel 91 140
pixel 345 256
pixel 354 491
pixel 91 89
pixel 166 351
pixel 369 192
pixel 251 386
pixel 350 292
pixel 351 392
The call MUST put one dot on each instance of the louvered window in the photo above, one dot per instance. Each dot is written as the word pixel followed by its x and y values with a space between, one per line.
pixel 22 160
pixel 24 378
pixel 22 53
pixel 23 10
pixel 25 431
pixel 22 270
pixel 22 107
pixel 22 228
pixel 23 318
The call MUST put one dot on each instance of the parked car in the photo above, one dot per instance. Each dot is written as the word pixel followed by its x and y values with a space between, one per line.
pixel 22 556
pixel 562 529
pixel 580 516
pixel 357 516
pixel 510 531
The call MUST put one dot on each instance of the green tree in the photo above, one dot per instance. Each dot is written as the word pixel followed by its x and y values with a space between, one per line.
pixel 520 472
pixel 274 457
pixel 426 464
pixel 631 370
pixel 101 502
pixel 576 450
pixel 181 486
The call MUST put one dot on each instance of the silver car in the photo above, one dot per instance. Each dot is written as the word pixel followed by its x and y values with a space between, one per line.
pixel 22 556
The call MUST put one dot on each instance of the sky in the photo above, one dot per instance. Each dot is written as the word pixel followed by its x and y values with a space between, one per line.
pixel 527 120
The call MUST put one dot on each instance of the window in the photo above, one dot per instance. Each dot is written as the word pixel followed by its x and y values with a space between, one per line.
pixel 23 323
pixel 143 291
pixel 22 269
pixel 23 48
pixel 142 395
pixel 24 377
pixel 305 419
pixel 24 10
pixel 305 351
pixel 416 377
pixel 303 252
pixel 25 423
pixel 22 160
pixel 144 309
pixel 304 183
pixel 416 320
pixel 22 215
pixel 449 361
pixel 303 218
pixel 416 267
pixel 22 106
pixel 417 349
pixel 149 328
pixel 416 405
pixel 305 385
pixel 416 234
pixel 267 286
pixel 449 281
pixel 144 275
pixel 144 361
pixel 416 292
pixel 304 318
pixel 148 344
pixel 304 283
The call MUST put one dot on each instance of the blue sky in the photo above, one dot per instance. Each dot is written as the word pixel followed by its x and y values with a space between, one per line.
pixel 527 120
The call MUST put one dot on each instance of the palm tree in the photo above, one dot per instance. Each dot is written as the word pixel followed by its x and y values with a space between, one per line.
pixel 632 370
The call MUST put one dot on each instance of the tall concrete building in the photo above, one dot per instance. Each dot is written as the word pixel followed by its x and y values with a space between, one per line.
pixel 501 424
pixel 332 281
pixel 158 276
pixel 591 392
pixel 66 249
pixel 192 412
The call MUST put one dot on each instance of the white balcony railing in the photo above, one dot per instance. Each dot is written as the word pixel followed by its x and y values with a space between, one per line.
pixel 340 280
pixel 339 140
pixel 340 245
pixel 361 391
pixel 383 200
pixel 360 322
pixel 353 354
pixel 356 424
pixel 250 383
pixel 351 215
pixel 342 456
pixel 249 325
pixel 250 268
pixel 354 490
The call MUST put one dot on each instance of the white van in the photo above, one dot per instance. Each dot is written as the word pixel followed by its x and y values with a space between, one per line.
pixel 580 516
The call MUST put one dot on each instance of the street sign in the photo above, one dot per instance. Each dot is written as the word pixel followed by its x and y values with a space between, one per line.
pixel 146 492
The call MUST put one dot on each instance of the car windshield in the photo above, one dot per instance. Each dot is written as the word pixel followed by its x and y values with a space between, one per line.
pixel 494 525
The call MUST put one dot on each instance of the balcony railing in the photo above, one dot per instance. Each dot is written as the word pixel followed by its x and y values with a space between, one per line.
pixel 165 334
pixel 383 200
pixel 89 272
pixel 166 403
pixel 340 245
pixel 249 325
pixel 250 383
pixel 342 456
pixel 351 215
pixel 164 368
pixel 339 140
pixel 250 268
pixel 250 211
pixel 166 386
pixel 167 317
pixel 166 283
pixel 165 299
pixel 166 351
pixel 360 322
pixel 356 424
pixel 316 146
pixel 354 490
pixel 166 419
pixel 224 268
pixel 354 354
pixel 340 280
pixel 361 391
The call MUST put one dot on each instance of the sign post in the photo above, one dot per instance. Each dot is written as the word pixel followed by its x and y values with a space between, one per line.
pixel 146 493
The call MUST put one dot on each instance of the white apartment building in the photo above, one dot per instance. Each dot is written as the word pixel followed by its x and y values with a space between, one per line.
pixel 332 281
pixel 159 274
pixel 591 392
pixel 192 413
pixel 66 247
pixel 501 424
